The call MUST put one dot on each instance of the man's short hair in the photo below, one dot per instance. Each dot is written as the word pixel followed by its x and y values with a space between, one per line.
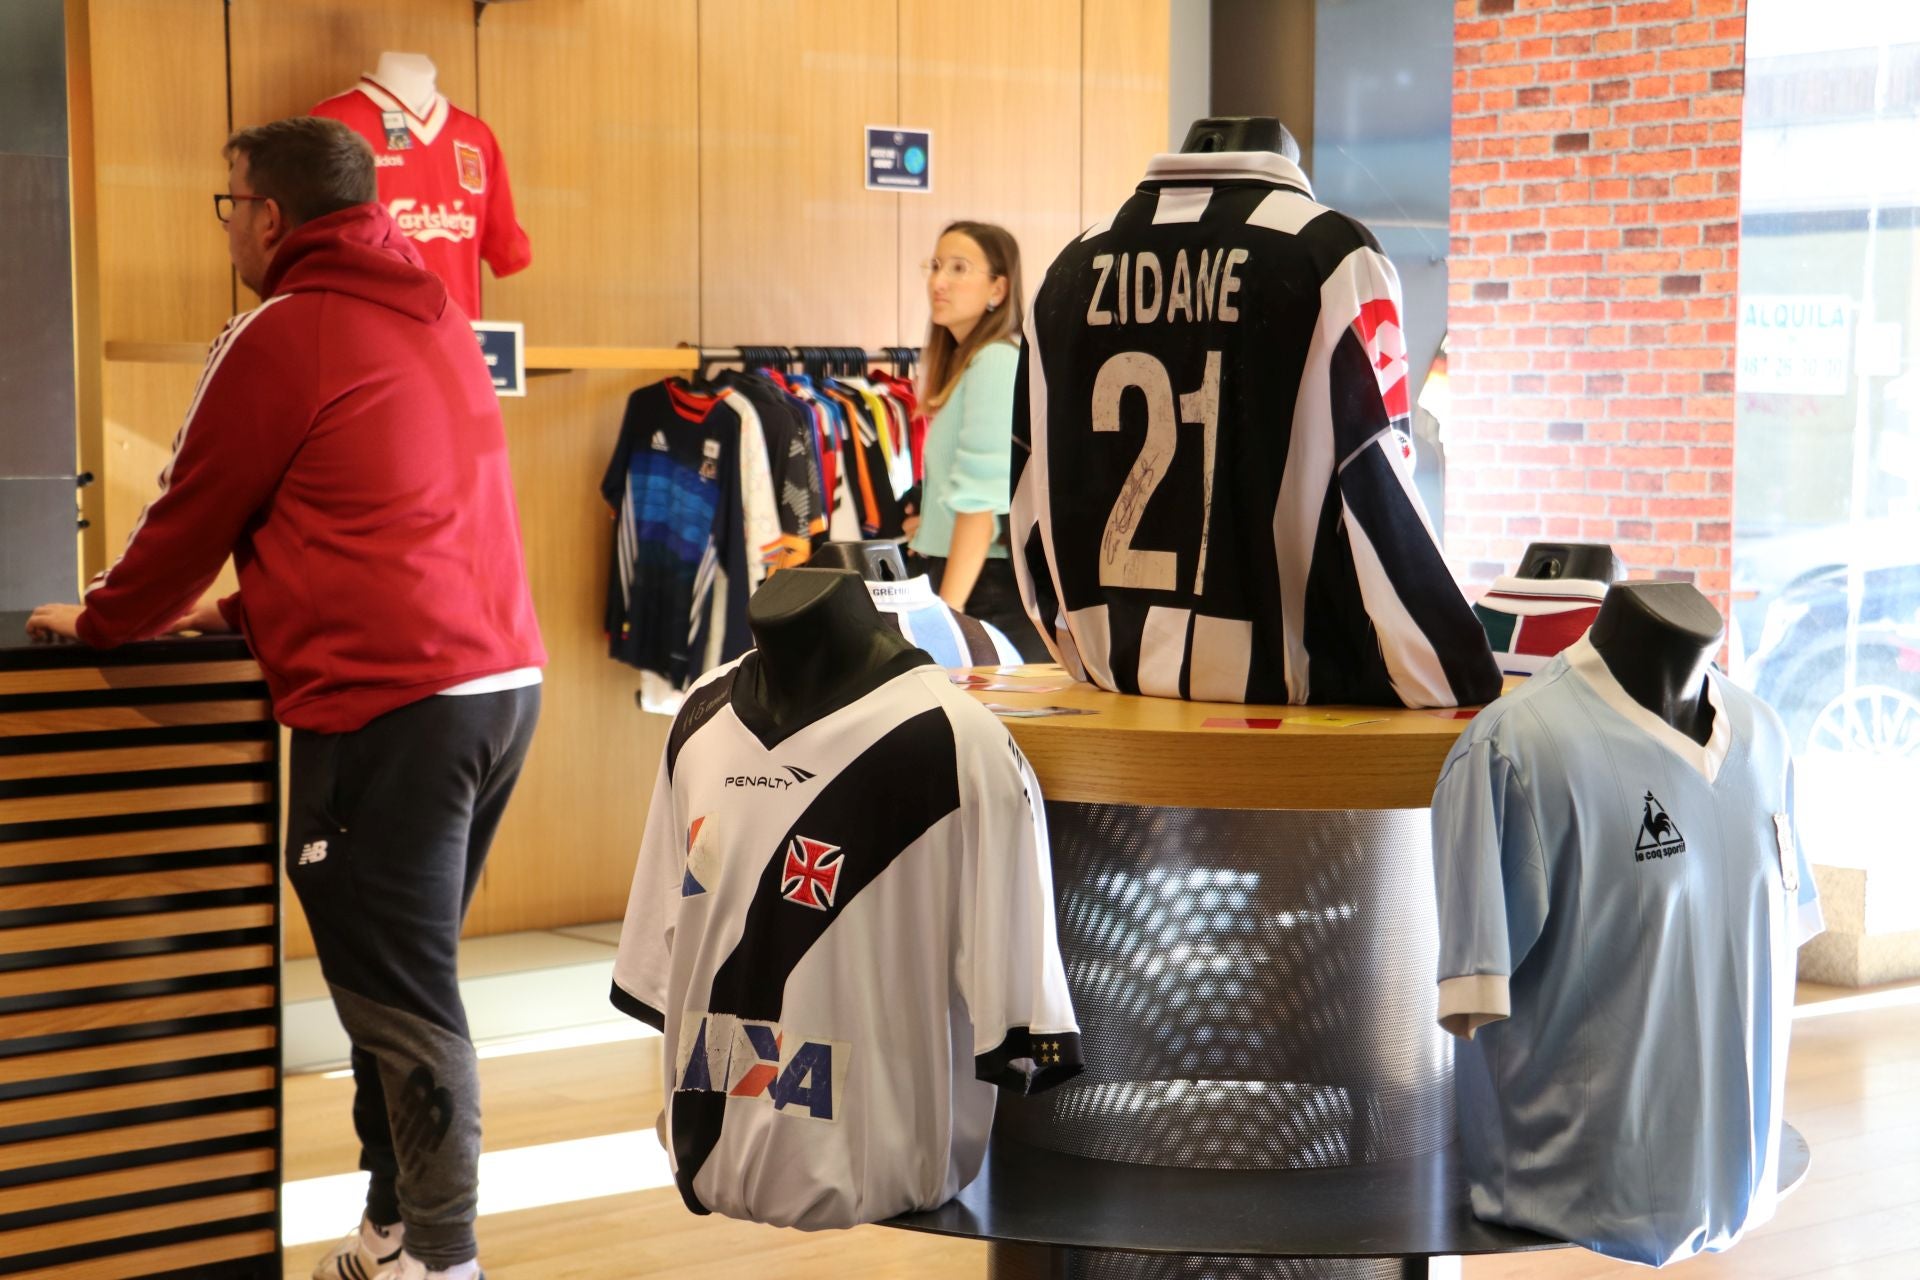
pixel 310 165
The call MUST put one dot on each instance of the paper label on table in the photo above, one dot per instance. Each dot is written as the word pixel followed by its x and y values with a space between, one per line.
pixel 1034 713
pixel 1333 719
pixel 1011 684
pixel 1240 722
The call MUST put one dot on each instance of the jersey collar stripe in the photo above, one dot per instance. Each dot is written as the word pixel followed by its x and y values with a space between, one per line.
pixel 1285 211
pixel 426 129
pixel 1182 204
pixel 1228 166
pixel 1586 662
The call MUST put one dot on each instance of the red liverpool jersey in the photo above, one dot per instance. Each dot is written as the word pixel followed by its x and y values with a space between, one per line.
pixel 442 179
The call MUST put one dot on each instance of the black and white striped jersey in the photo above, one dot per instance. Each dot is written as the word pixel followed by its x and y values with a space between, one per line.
pixel 846 932
pixel 1210 501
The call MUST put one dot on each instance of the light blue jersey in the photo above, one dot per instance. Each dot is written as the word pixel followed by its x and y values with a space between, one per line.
pixel 1619 912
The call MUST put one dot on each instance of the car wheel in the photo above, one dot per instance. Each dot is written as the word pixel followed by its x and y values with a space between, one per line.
pixel 1868 719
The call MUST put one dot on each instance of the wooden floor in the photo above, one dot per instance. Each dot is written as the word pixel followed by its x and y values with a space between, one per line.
pixel 1854 1092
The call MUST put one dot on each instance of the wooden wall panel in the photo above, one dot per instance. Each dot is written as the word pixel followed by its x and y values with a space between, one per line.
pixel 1001 92
pixel 793 249
pixel 1124 99
pixel 162 257
pixel 565 851
pixel 290 54
pixel 595 104
pixel 605 171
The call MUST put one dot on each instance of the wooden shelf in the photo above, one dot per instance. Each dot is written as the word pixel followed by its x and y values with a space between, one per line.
pixel 1159 751
pixel 539 359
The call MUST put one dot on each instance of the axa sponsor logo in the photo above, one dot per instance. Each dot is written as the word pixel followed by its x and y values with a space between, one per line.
pixel 1659 837
pixel 771 781
pixel 441 221
pixel 719 1053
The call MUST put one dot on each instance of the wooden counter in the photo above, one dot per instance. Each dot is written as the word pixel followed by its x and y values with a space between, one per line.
pixel 1161 751
pixel 139 962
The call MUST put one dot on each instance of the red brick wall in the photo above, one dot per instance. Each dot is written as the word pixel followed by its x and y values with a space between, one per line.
pixel 1595 223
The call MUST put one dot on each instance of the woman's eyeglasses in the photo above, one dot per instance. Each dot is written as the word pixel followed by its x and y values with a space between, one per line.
pixel 223 205
pixel 956 269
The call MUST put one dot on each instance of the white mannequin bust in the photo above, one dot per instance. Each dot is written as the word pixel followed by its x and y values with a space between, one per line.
pixel 410 78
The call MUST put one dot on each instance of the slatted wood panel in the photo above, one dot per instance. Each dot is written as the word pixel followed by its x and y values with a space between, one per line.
pixel 62 764
pixel 147 997
pixel 1004 83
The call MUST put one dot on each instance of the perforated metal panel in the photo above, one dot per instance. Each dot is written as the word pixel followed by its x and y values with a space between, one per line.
pixel 1255 989
pixel 1030 1262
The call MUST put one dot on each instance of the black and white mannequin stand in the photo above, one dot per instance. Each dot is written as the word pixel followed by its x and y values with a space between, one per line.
pixel 1657 638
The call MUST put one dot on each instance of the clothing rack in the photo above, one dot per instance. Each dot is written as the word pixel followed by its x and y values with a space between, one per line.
pixel 826 360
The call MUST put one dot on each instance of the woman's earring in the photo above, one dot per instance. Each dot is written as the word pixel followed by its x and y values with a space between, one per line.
pixel 993 306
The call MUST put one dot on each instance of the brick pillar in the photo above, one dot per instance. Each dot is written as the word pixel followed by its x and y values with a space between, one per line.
pixel 1594 269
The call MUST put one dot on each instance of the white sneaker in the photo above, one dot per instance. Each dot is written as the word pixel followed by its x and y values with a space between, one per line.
pixel 408 1267
pixel 362 1254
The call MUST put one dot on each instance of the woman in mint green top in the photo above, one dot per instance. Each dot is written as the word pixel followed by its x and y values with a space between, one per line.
pixel 971 356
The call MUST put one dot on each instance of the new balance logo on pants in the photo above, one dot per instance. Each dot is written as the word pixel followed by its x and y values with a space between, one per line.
pixel 311 852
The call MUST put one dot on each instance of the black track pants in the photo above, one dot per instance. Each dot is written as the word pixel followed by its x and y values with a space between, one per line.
pixel 387 830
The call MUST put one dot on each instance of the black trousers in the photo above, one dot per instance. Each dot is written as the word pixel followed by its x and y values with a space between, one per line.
pixel 387 830
pixel 995 598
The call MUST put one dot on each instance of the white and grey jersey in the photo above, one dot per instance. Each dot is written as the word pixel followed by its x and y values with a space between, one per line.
pixel 1619 912
pixel 846 932
pixel 1210 500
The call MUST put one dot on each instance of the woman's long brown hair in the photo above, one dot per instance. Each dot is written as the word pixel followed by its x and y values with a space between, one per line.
pixel 945 360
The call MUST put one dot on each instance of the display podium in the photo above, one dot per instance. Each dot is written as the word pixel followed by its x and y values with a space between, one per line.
pixel 1246 913
pixel 139 962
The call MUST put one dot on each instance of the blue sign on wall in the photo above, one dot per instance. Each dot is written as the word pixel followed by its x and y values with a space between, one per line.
pixel 503 342
pixel 899 159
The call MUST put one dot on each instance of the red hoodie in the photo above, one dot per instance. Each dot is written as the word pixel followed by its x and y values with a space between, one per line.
pixel 345 446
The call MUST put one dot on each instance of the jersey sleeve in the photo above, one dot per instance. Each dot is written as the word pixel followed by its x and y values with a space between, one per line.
pixel 503 243
pixel 1490 883
pixel 982 477
pixel 1435 650
pixel 1025 1038
pixel 643 963
pixel 1809 920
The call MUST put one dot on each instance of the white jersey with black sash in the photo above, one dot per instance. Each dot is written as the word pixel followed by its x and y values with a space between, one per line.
pixel 1210 500
pixel 846 933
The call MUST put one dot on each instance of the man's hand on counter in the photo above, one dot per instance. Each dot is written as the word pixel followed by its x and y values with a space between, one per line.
pixel 54 622
pixel 204 617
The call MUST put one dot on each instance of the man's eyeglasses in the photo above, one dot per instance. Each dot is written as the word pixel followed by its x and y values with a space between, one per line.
pixel 223 205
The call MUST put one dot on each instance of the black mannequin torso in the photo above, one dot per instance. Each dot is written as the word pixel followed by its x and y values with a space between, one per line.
pixel 875 560
pixel 1657 639
pixel 817 638
pixel 1241 133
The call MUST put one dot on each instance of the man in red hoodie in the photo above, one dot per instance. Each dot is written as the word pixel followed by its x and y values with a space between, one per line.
pixel 345 446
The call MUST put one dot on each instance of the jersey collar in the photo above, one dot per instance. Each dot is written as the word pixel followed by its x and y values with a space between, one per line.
pixel 759 721
pixel 1704 760
pixel 426 128
pixel 1228 166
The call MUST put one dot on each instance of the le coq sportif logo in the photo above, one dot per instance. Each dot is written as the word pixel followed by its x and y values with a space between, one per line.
pixel 1659 837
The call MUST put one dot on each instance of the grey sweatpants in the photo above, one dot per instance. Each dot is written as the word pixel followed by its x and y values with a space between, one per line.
pixel 387 830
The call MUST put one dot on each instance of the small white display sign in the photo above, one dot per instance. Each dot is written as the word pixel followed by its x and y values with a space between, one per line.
pixel 1795 344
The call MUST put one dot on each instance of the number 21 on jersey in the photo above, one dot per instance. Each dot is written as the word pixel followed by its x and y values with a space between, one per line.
pixel 1121 563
